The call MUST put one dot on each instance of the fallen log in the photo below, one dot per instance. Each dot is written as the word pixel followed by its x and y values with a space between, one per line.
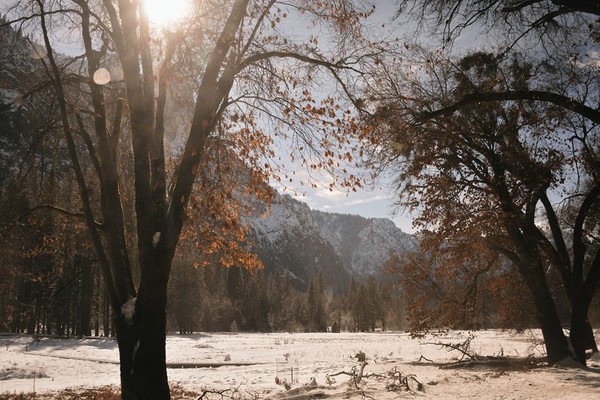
pixel 507 363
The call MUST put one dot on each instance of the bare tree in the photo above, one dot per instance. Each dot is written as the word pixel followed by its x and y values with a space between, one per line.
pixel 514 20
pixel 486 173
pixel 247 67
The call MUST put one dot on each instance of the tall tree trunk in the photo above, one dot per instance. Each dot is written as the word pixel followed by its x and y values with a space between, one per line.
pixel 87 291
pixel 581 288
pixel 554 338
pixel 529 262
pixel 556 343
pixel 127 342
pixel 142 339
pixel 579 334
pixel 150 361
pixel 106 315
pixel 582 334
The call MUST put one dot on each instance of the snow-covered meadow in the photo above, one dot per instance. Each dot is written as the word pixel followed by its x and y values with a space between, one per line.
pixel 252 364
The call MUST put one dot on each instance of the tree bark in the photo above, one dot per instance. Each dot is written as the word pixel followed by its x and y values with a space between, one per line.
pixel 531 268
pixel 582 334
pixel 150 368
pixel 127 342
pixel 142 340
pixel 532 95
pixel 554 338
pixel 579 333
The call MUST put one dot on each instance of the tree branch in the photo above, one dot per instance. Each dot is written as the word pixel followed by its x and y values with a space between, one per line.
pixel 58 209
pixel 83 189
pixel 586 6
pixel 557 234
pixel 157 150
pixel 579 248
pixel 257 26
pixel 532 95
pixel 203 121
pixel 520 6
pixel 300 57
pixel 38 15
pixel 90 146
pixel 109 184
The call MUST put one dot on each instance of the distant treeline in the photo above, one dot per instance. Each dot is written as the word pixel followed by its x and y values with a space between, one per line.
pixel 56 288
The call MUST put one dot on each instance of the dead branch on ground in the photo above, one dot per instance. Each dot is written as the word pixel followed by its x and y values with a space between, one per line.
pixel 464 348
pixel 225 394
pixel 355 373
pixel 395 379
pixel 470 359
pixel 498 362
pixel 208 392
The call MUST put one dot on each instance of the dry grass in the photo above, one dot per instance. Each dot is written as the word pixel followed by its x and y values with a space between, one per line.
pixel 94 393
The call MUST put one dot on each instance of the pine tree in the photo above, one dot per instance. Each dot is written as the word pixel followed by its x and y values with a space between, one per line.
pixel 315 307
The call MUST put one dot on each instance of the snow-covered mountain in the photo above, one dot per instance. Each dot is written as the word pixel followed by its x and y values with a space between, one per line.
pixel 363 244
pixel 289 240
pixel 17 57
pixel 303 243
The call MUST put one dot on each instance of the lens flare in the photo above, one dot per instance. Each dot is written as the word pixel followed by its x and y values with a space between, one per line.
pixel 164 13
pixel 101 76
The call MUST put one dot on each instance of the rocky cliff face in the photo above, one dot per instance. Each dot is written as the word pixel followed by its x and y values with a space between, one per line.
pixel 303 243
pixel 16 62
pixel 289 240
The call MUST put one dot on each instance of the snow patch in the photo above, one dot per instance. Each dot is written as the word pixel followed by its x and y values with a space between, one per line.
pixel 94 362
pixel 155 239
pixel 128 310
pixel 10 97
pixel 136 347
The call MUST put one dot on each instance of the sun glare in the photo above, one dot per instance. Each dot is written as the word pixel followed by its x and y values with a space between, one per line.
pixel 164 13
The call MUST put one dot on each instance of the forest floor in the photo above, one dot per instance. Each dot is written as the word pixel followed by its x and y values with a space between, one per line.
pixel 485 365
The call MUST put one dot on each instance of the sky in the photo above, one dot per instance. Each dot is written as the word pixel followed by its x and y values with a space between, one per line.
pixel 371 203
pixel 376 200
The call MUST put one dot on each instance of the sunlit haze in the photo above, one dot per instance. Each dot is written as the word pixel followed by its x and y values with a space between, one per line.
pixel 164 13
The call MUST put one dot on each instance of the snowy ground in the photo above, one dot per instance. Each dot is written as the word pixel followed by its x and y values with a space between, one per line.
pixel 47 364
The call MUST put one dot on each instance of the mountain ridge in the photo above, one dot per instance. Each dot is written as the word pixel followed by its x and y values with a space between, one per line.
pixel 303 243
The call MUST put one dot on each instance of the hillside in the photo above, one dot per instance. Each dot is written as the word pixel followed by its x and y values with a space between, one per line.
pixel 304 242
